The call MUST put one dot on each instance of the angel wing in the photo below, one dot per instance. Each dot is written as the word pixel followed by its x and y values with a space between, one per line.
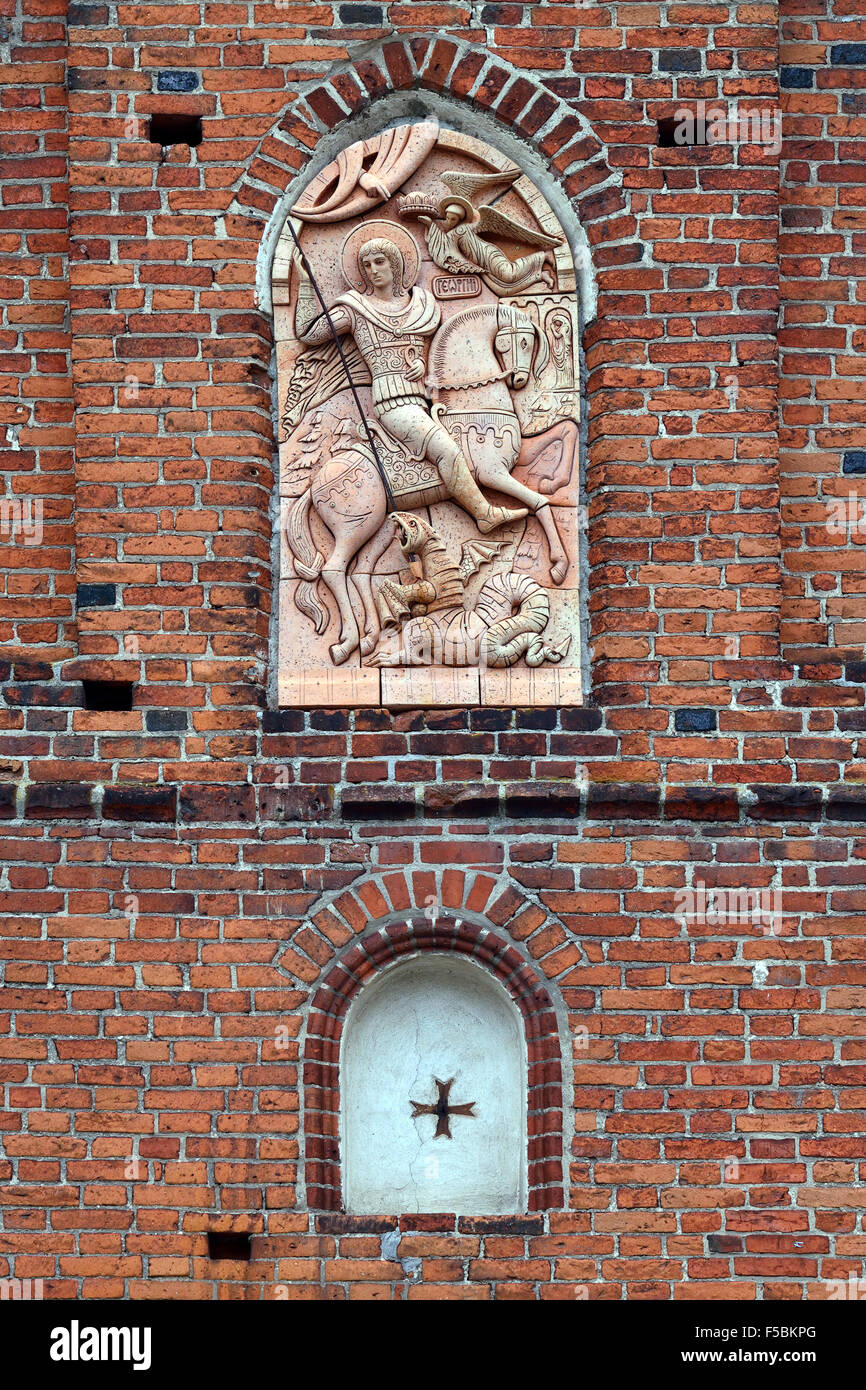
pixel 470 186
pixel 474 554
pixel 492 222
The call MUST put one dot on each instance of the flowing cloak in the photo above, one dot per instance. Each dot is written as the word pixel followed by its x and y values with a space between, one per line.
pixel 422 315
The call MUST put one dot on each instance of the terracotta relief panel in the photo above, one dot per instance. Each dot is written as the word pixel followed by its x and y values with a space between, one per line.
pixel 429 394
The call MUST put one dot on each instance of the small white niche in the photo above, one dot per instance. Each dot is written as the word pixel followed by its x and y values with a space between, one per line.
pixel 420 1025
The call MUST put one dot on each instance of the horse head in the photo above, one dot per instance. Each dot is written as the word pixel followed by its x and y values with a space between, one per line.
pixel 519 342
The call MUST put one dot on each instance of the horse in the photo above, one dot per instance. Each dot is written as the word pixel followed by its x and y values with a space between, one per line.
pixel 477 359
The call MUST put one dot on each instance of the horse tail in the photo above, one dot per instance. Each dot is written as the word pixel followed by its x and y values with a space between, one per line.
pixel 308 562
pixel 517 610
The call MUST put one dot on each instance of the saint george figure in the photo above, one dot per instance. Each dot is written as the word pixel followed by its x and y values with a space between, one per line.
pixel 392 328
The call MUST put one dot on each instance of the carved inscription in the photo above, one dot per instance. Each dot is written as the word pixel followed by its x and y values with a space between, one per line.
pixel 456 286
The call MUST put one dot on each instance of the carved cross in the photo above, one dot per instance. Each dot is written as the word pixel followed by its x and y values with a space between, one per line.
pixel 443 1110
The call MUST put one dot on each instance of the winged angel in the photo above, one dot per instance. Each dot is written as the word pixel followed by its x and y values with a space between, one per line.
pixel 456 233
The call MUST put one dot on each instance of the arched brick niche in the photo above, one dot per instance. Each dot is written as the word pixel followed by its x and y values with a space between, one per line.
pixel 463 85
pixel 380 939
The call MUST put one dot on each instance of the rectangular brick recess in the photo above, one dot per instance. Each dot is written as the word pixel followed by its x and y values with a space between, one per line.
pixel 177 877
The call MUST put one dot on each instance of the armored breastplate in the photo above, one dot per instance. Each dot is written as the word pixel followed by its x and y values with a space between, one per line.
pixel 388 354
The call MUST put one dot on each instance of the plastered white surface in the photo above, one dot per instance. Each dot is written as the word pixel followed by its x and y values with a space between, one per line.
pixel 437 1017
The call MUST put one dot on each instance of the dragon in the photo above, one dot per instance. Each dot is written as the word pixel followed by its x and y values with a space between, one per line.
pixel 435 626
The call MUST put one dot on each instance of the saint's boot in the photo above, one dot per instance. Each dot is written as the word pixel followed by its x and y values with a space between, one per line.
pixel 464 489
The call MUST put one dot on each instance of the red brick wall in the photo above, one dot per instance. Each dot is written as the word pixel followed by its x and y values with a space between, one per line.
pixel 37 627
pixel 822 414
pixel 162 864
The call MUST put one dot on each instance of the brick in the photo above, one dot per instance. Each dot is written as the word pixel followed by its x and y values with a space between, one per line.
pixel 846 806
pixel 96 595
pixel 295 803
pixel 155 804
pixel 526 804
pixel 622 803
pixel 87 14
pixel 217 803
pixel 177 80
pixel 697 721
pixel 680 60
pixel 361 14
pixel 163 721
pixel 59 801
pixel 848 54
pixel 786 804
pixel 796 78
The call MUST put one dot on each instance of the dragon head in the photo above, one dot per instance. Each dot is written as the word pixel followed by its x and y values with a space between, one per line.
pixel 411 532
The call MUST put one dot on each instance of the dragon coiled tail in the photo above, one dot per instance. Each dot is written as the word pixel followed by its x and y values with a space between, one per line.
pixel 309 562
pixel 517 610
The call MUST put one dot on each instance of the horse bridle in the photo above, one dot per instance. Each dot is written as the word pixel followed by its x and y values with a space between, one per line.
pixel 513 328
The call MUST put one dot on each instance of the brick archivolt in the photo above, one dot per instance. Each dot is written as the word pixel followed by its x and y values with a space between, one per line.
pixel 402 915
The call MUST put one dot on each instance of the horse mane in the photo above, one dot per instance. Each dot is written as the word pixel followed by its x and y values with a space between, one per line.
pixel 452 369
